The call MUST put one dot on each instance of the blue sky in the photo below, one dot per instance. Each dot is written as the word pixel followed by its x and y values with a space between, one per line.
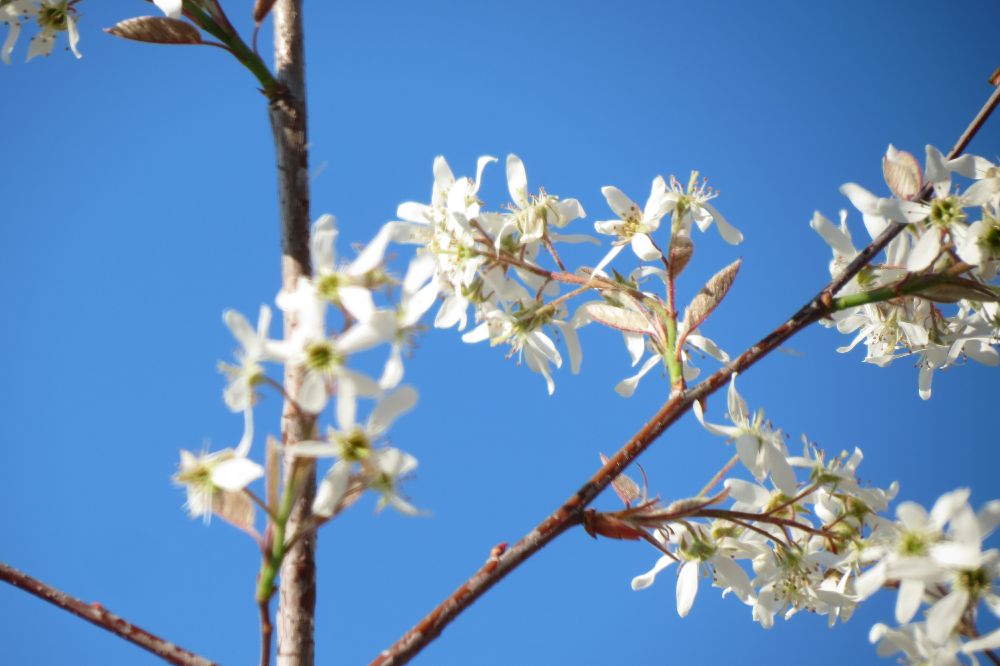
pixel 139 203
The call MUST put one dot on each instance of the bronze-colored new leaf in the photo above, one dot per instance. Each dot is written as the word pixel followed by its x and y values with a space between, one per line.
pixel 902 173
pixel 706 300
pixel 956 289
pixel 261 8
pixel 681 251
pixel 235 508
pixel 156 30
pixel 626 489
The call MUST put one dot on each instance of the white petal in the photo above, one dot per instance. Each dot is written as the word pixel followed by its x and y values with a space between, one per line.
pixel 347 404
pixel 243 448
pixel 687 587
pixel 358 301
pixel 73 35
pixel 370 257
pixel 312 394
pixel 321 244
pixel 607 258
pixel 314 449
pixel 945 614
pixel 862 199
pixel 236 473
pixel 478 334
pixel 420 303
pixel 171 8
pixel 517 181
pixel 729 233
pixel 626 387
pixel 643 581
pixel 644 248
pixel 871 581
pixel 572 341
pixel 392 374
pixel 621 204
pixel 331 489
pixel 721 430
pixel 990 641
pixel 14 29
pixel 925 251
pixel 420 270
pixel 452 311
pixel 392 407
pixel 733 576
pixel 833 235
pixel 364 335
pixel 908 600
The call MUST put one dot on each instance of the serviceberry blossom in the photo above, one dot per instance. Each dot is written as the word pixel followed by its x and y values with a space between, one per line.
pixel 944 256
pixel 52 18
pixel 690 204
pixel 212 479
pixel 239 393
pixel 352 444
pixel 761 449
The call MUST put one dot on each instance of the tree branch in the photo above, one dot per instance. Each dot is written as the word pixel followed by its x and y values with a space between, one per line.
pixel 569 514
pixel 287 112
pixel 96 614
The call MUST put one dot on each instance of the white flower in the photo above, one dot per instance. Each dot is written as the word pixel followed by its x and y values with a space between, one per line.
pixel 691 204
pixel 633 226
pixel 907 555
pixel 391 466
pixel 695 547
pixel 346 286
pixel 761 449
pixel 239 393
pixel 323 358
pixel 533 216
pixel 52 17
pixel 913 641
pixel 353 443
pixel 418 295
pixel 209 477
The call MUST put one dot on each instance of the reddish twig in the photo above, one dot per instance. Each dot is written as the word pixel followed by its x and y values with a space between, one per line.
pixel 571 511
pixel 97 614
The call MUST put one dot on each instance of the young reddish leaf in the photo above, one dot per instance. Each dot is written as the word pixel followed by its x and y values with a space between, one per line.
pixel 706 300
pixel 902 173
pixel 610 527
pixel 235 508
pixel 615 317
pixel 626 489
pixel 261 8
pixel 156 30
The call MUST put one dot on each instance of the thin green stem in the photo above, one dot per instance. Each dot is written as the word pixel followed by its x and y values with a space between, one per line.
pixel 243 53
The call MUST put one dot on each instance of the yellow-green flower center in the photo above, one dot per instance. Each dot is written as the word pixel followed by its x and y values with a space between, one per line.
pixel 947 211
pixel 322 356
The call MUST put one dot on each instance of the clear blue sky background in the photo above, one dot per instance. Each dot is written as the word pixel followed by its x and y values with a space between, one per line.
pixel 139 203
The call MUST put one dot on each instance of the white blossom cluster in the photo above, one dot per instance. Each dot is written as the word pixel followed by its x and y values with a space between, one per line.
pixel 955 239
pixel 819 544
pixel 490 261
pixel 216 482
pixel 50 16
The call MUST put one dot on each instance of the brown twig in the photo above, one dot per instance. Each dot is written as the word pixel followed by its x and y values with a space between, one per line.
pixel 287 113
pixel 98 615
pixel 266 629
pixel 569 514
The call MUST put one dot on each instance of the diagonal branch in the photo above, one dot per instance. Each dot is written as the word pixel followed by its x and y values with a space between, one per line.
pixel 96 614
pixel 569 514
